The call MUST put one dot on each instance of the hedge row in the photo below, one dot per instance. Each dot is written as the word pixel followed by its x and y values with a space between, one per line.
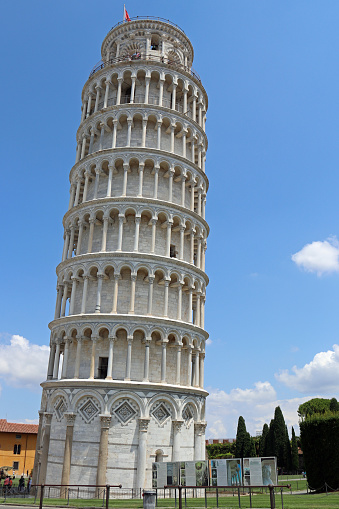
pixel 319 436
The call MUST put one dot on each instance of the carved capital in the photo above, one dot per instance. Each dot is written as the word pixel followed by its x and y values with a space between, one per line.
pixel 143 424
pixel 48 418
pixel 105 421
pixel 177 426
pixel 199 428
pixel 70 418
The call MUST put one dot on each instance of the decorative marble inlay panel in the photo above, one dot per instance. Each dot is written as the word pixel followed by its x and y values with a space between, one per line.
pixel 161 414
pixel 125 412
pixel 89 410
pixel 187 415
pixel 60 408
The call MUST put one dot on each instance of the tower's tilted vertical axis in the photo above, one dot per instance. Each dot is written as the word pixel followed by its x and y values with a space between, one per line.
pixel 126 370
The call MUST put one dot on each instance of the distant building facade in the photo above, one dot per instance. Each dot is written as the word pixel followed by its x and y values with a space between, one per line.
pixel 17 446
pixel 210 441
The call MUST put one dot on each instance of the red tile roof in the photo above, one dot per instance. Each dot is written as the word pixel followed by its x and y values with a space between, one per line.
pixel 13 427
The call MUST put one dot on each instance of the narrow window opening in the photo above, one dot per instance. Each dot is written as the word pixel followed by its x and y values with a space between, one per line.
pixel 17 449
pixel 102 368
pixel 173 252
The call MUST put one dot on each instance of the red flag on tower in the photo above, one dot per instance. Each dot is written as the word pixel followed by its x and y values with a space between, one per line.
pixel 126 16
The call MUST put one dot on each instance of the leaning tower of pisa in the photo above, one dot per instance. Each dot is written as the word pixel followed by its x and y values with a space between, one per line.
pixel 125 377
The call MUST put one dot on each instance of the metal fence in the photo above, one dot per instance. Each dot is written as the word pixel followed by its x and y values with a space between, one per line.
pixel 177 496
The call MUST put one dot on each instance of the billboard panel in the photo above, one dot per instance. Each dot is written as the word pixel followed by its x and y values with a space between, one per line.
pixel 226 472
pixel 260 471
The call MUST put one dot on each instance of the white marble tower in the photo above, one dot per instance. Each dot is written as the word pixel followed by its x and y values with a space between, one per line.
pixel 126 371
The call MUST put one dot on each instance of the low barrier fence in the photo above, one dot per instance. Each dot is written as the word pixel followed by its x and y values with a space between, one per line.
pixel 202 491
pixel 181 496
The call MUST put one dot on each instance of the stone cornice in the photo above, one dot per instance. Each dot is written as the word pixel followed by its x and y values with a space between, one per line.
pixel 136 106
pixel 94 318
pixel 147 151
pixel 130 256
pixel 123 385
pixel 114 200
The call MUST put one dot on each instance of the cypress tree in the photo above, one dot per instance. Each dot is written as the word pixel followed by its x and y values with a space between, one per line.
pixel 263 441
pixel 241 438
pixel 280 437
pixel 269 444
pixel 294 453
pixel 288 458
pixel 253 450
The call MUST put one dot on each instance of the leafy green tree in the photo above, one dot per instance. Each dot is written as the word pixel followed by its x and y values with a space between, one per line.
pixel 294 452
pixel 218 451
pixel 334 405
pixel 314 406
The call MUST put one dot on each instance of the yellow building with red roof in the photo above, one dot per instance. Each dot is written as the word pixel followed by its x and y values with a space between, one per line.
pixel 17 446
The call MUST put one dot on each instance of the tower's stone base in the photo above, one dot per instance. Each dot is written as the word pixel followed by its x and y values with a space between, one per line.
pixel 122 427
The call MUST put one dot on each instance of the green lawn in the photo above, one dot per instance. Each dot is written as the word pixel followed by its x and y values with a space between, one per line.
pixel 258 501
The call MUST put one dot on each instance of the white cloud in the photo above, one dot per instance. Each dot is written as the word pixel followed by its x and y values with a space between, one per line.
pixel 256 405
pixel 23 364
pixel 209 341
pixel 320 375
pixel 320 256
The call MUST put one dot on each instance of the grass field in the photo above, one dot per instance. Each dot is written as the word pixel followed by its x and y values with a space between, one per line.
pixel 322 501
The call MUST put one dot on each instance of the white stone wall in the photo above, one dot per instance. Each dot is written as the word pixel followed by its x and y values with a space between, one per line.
pixel 123 441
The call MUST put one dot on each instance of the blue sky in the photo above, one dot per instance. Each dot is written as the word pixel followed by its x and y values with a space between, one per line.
pixel 271 72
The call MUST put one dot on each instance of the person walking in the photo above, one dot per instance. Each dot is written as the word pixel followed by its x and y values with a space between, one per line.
pixel 21 483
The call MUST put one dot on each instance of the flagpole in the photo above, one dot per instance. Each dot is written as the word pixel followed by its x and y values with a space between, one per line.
pixel 124 13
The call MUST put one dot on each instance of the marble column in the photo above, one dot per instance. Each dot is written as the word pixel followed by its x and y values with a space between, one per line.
pixel 66 467
pixel 129 357
pixel 92 367
pixel 189 366
pixel 201 370
pixel 105 421
pixel 196 378
pixel 84 295
pixel 163 360
pixel 110 358
pixel 115 293
pixel 199 436
pixel 178 365
pixel 133 284
pixel 101 277
pixel 58 302
pixel 77 358
pixel 37 450
pixel 141 468
pixel 56 360
pixel 65 362
pixel 146 364
pixel 45 447
pixel 51 361
pixel 150 294
pixel 176 440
